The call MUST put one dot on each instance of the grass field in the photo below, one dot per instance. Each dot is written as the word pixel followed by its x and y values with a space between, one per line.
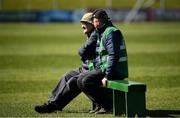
pixel 79 4
pixel 34 56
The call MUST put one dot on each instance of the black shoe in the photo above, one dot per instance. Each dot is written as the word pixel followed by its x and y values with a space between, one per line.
pixel 95 110
pixel 46 108
pixel 103 111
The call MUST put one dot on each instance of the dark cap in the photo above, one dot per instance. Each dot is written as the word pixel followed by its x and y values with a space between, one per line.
pixel 100 14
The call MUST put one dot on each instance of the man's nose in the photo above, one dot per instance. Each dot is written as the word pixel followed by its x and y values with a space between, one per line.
pixel 83 27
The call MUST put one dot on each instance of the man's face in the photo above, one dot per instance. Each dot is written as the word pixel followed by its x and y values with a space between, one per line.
pixel 97 23
pixel 87 27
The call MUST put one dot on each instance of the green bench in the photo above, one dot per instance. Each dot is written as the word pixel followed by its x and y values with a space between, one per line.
pixel 128 98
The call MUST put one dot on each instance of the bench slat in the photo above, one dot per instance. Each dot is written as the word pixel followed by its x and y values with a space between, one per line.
pixel 126 86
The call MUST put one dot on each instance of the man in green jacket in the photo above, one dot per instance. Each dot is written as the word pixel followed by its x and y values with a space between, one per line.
pixel 110 62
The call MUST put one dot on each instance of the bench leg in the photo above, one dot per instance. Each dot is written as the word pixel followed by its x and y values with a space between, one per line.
pixel 135 104
pixel 118 103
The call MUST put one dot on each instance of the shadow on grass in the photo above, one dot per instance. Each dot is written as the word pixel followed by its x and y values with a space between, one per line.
pixel 163 113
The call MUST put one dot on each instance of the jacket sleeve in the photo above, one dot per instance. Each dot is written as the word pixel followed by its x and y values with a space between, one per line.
pixel 87 51
pixel 112 46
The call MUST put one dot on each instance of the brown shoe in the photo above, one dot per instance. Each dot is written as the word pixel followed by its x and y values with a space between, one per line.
pixel 46 108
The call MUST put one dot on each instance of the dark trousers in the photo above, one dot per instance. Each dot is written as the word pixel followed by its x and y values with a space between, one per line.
pixel 90 83
pixel 67 88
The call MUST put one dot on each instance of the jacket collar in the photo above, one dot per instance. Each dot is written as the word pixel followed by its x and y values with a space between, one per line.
pixel 102 29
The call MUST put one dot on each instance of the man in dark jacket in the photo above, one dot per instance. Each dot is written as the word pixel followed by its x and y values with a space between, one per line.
pixel 110 62
pixel 67 88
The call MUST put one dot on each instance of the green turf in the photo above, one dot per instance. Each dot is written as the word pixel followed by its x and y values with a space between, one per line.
pixel 34 56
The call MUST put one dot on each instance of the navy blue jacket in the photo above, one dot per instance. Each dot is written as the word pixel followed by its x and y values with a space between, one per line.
pixel 87 51
pixel 112 45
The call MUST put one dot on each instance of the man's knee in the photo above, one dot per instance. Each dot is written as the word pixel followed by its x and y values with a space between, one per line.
pixel 85 83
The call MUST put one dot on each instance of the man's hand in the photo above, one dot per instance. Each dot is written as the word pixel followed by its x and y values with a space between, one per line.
pixel 104 82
